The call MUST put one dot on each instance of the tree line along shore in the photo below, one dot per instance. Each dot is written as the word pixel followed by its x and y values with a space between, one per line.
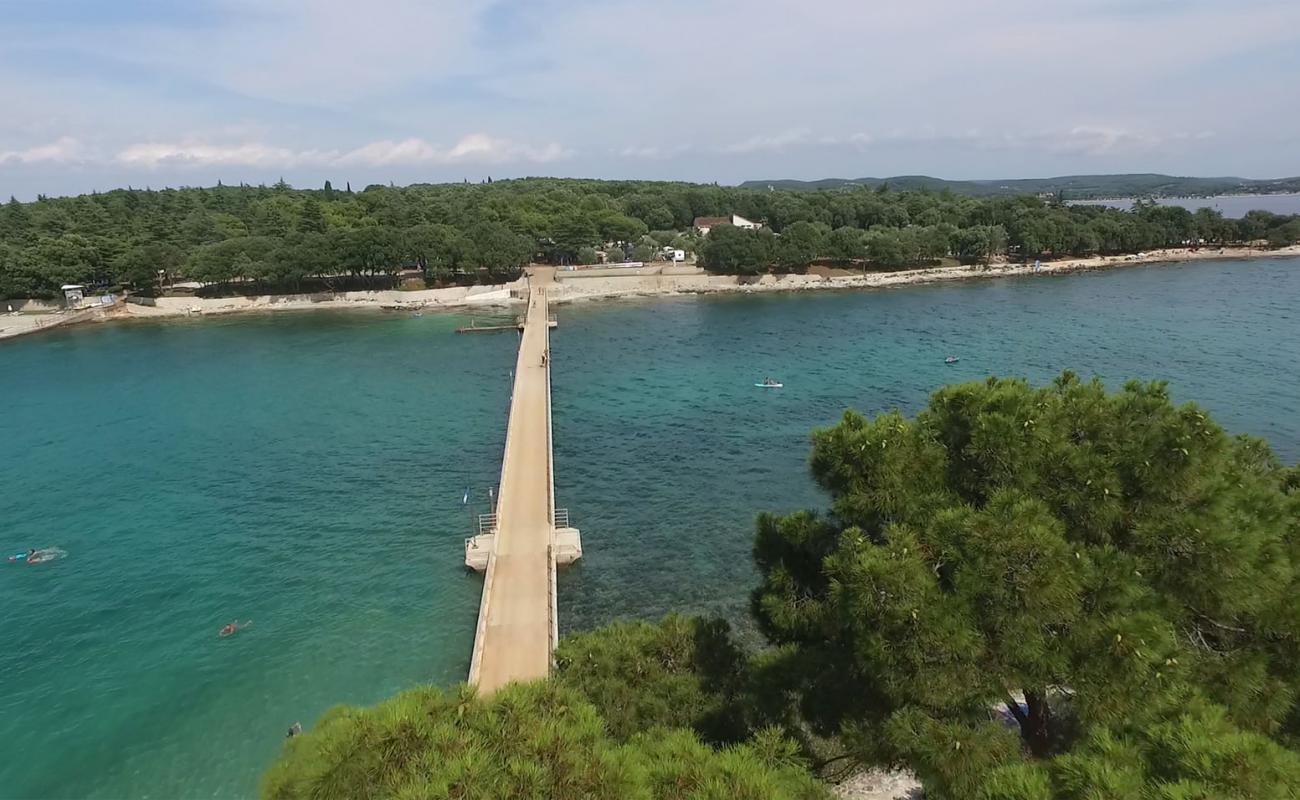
pixel 256 240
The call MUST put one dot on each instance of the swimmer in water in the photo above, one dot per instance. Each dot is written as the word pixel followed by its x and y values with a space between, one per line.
pixel 39 556
pixel 231 628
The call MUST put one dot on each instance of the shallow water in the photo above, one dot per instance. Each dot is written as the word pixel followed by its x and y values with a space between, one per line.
pixel 306 471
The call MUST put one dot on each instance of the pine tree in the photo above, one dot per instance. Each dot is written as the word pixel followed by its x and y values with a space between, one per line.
pixel 1075 558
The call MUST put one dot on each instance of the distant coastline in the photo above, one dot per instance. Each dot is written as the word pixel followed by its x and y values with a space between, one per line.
pixel 655 280
pixel 1231 206
pixel 1073 187
pixel 574 288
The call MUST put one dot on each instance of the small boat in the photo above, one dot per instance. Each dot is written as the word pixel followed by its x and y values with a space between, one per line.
pixel 951 360
pixel 771 385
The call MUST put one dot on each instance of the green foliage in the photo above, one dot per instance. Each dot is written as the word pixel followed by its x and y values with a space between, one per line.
pixel 1190 751
pixel 799 244
pixel 528 740
pixel 439 250
pixel 1285 234
pixel 140 265
pixel 730 249
pixel 644 252
pixel 464 233
pixel 1075 557
pixel 845 244
pixel 679 673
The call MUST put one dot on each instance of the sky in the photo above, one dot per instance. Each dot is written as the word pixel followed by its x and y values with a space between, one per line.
pixel 97 94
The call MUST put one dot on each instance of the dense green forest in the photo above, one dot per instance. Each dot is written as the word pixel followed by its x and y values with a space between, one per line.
pixel 1076 187
pixel 260 239
pixel 1023 593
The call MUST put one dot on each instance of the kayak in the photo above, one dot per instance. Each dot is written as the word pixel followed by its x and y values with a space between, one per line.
pixel 770 385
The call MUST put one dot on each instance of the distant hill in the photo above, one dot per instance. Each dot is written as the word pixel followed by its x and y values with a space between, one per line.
pixel 1078 187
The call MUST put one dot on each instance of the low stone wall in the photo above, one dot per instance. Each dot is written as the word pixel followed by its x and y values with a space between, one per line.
pixel 33 306
pixel 693 282
pixel 498 294
pixel 562 275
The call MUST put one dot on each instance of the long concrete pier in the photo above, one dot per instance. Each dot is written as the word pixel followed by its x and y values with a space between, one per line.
pixel 520 544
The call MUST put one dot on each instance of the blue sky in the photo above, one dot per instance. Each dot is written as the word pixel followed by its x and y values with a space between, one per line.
pixel 97 94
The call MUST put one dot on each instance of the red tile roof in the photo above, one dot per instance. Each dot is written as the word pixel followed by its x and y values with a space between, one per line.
pixel 709 222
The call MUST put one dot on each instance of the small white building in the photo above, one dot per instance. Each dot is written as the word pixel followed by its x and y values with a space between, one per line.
pixel 74 294
pixel 705 224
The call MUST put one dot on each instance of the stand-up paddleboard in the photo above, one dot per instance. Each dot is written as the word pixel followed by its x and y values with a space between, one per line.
pixel 770 385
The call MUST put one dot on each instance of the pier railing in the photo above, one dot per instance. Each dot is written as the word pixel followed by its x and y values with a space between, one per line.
pixel 552 604
pixel 476 656
pixel 487 523
pixel 561 518
pixel 550 441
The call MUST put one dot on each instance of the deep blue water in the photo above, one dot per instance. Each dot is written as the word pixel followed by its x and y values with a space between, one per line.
pixel 306 471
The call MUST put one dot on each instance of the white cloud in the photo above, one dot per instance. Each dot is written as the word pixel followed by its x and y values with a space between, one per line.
pixel 477 148
pixel 301 85
pixel 654 152
pixel 1091 140
pixel 64 150
pixel 771 143
pixel 152 155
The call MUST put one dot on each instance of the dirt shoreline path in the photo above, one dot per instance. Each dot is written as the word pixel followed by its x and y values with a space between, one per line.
pixel 651 281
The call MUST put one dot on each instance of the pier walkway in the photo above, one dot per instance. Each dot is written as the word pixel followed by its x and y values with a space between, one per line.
pixel 519 545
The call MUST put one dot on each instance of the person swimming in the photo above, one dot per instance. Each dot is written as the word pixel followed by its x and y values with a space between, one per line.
pixel 231 628
pixel 34 556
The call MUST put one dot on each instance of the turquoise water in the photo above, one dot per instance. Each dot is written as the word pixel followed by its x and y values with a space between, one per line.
pixel 306 471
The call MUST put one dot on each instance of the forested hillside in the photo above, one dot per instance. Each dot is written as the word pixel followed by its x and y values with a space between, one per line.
pixel 1075 187
pixel 260 239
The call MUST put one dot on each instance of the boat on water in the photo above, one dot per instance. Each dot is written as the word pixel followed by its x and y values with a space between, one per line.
pixel 951 360
pixel 770 384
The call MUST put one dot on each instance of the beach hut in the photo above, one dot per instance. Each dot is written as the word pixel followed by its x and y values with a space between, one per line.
pixel 73 294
